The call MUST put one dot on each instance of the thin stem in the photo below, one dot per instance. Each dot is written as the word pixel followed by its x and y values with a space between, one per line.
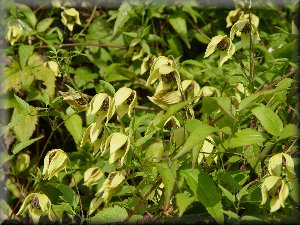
pixel 251 51
pixel 89 21
pixel 83 44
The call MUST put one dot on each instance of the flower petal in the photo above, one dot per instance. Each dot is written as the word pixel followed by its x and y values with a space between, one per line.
pixel 211 47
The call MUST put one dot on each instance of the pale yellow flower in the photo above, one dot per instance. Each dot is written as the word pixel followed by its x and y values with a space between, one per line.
pixel 70 17
pixel 54 162
pixel 233 17
pixel 281 165
pixel 125 100
pixel 92 176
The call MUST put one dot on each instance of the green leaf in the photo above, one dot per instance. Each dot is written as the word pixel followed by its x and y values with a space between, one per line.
pixel 191 177
pixel 226 106
pixel 110 215
pixel 183 201
pixel 44 24
pixel 73 124
pixel 107 87
pixel 244 137
pixel 24 123
pixel 25 51
pixel 178 22
pixel 28 13
pixel 290 130
pixel 208 195
pixel 144 139
pixel 168 179
pixel 48 76
pixel 22 103
pixel 20 146
pixel 268 119
pixel 124 14
pixel 227 193
pixel 196 136
pixel 68 195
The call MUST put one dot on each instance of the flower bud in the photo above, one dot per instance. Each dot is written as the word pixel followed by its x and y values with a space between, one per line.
pixel 54 161
pixel 191 89
pixel 23 161
pixel 92 176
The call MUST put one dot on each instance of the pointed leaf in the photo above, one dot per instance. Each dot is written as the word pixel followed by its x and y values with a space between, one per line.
pixel 25 51
pixel 244 137
pixel 178 22
pixel 74 126
pixel 110 215
pixel 268 119
pixel 183 201
pixel 19 147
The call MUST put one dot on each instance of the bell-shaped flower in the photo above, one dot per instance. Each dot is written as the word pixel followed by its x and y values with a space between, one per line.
pixel 223 46
pixel 54 161
pixel 206 151
pixel 125 100
pixel 14 31
pixel 281 164
pixel 243 28
pixel 233 17
pixel 111 186
pixel 119 145
pixel 166 98
pixel 23 161
pixel 76 100
pixel 102 104
pixel 36 204
pixel 92 176
pixel 276 188
pixel 147 62
pixel 191 89
pixel 69 17
pixel 208 91
pixel 171 123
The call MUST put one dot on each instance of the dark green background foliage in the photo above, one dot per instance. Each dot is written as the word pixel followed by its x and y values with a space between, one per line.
pixel 244 113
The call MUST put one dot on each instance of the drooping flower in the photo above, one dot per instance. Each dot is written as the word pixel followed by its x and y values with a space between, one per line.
pixel 276 188
pixel 37 204
pixel 70 17
pixel 119 145
pixel 281 165
pixel 223 46
pixel 14 31
pixel 92 176
pixel 111 185
pixel 243 28
pixel 191 89
pixel 233 17
pixel 54 162
pixel 171 123
pixel 147 61
pixel 166 98
pixel 76 100
pixel 125 100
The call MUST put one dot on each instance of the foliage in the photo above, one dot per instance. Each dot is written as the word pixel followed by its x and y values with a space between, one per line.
pixel 150 111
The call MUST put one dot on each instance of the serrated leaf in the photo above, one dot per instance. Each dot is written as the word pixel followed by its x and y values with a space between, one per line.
pixel 268 119
pixel 68 195
pixel 227 193
pixel 208 195
pixel 25 127
pixel 48 76
pixel 168 180
pixel 196 136
pixel 73 124
pixel 244 137
pixel 110 215
pixel 226 106
pixel 123 16
pixel 178 22
pixel 20 146
pixel 25 106
pixel 183 201
pixel 44 24
pixel 25 51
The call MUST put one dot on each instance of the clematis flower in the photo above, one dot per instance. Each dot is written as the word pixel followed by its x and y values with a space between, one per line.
pixel 243 28
pixel 102 104
pixel 276 188
pixel 111 185
pixel 54 161
pixel 119 145
pixel 76 100
pixel 166 98
pixel 125 100
pixel 233 17
pixel 147 61
pixel 14 31
pixel 223 46
pixel 207 91
pixel 70 17
pixel 281 164
pixel 191 89
pixel 171 123
pixel 92 176
pixel 36 204
pixel 23 161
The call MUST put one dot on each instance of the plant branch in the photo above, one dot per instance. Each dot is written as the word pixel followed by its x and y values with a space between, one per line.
pixel 83 44
pixel 159 180
pixel 289 74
